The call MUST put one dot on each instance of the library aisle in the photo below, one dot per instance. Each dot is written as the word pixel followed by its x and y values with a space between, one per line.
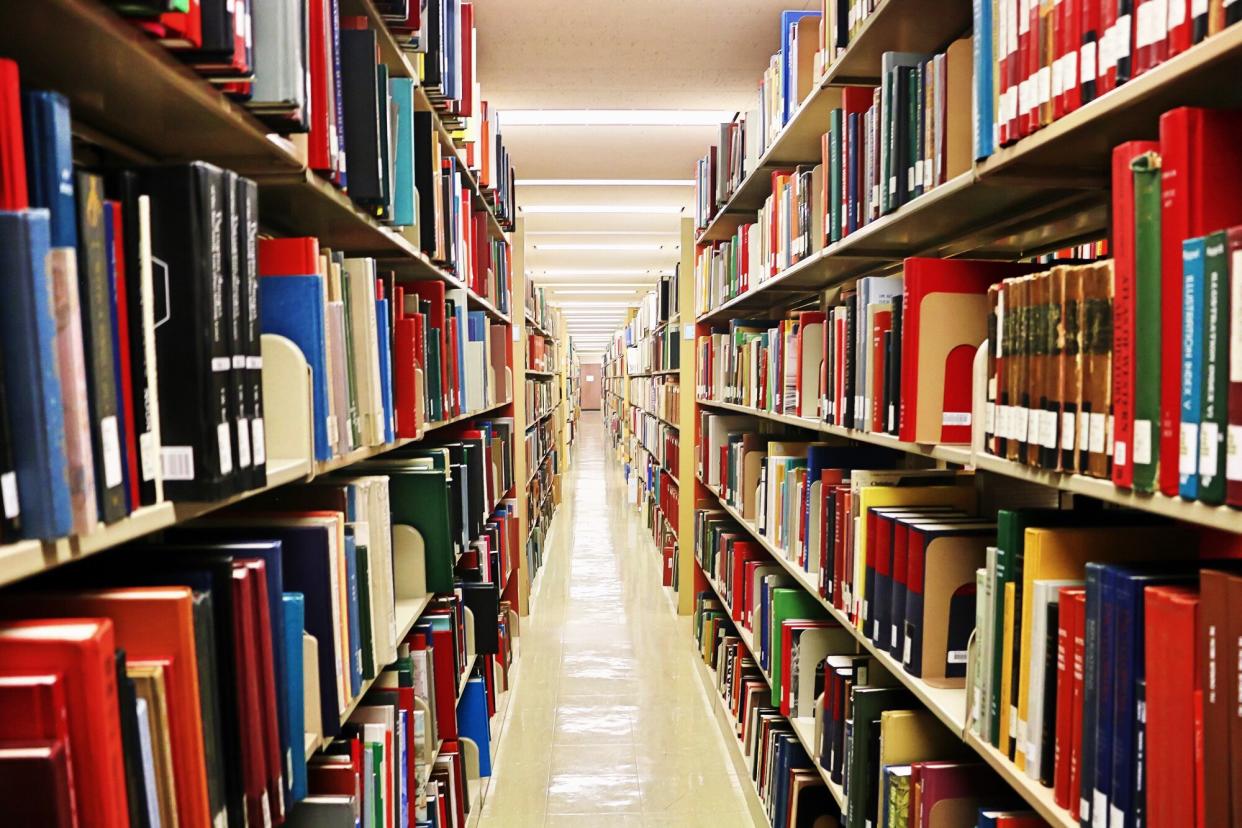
pixel 609 723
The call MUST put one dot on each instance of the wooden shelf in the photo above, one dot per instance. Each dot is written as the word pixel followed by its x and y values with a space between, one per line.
pixel 461 417
pixel 539 329
pixel 1201 514
pixel 531 372
pixel 925 26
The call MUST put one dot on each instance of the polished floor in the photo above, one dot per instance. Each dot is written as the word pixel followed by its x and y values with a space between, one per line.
pixel 609 723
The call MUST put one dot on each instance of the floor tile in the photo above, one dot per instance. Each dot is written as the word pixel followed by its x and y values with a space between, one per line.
pixel 608 725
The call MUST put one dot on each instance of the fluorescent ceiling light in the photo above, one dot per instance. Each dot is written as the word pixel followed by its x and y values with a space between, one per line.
pixel 606 271
pixel 626 304
pixel 556 286
pixel 601 246
pixel 671 233
pixel 585 292
pixel 573 209
pixel 613 117
pixel 605 182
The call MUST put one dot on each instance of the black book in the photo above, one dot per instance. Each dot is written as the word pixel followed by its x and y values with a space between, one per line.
pixel 131 746
pixel 893 414
pixel 247 205
pixel 1048 727
pixel 359 87
pixel 433 66
pixel 483 600
pixel 384 102
pixel 846 417
pixel 886 382
pixel 239 425
pixel 191 342
pixel 901 134
pixel 95 296
pixel 426 171
pixel 123 187
pixel 10 508
pixel 218 25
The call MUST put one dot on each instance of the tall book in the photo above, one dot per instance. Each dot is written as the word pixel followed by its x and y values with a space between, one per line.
pixel 1144 422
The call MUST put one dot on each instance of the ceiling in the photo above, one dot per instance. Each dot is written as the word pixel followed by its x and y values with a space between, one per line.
pixel 615 55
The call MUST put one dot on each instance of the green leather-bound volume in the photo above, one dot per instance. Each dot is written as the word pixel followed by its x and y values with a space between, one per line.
pixel 1147 321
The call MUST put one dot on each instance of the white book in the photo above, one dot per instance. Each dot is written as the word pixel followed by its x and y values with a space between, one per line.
pixel 1030 731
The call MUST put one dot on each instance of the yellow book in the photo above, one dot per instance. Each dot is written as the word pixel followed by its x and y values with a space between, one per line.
pixel 1061 553
pixel 961 496
pixel 1007 665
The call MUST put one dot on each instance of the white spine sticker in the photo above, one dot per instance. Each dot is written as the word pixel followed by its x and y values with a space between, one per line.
pixel 1142 442
pixel 1067 431
pixel 8 494
pixel 225 448
pixel 1233 452
pixel 1209 449
pixel 1188 450
pixel 110 441
pixel 1099 434
pixel 258 441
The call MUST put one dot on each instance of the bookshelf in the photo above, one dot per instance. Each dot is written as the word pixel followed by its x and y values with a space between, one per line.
pixel 542 335
pixel 135 104
pixel 1043 198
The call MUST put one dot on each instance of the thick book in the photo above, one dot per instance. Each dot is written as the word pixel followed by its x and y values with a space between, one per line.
pixel 94 294
pixel 1199 153
pixel 1126 322
pixel 32 383
pixel 291 304
pixel 187 206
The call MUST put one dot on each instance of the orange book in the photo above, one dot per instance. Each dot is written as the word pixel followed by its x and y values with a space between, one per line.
pixel 83 652
pixel 151 624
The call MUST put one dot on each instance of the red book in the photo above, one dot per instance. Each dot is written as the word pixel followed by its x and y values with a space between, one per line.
pixel 124 363
pixel 1106 69
pixel 1004 68
pixel 13 192
pixel 1233 461
pixel 322 143
pixel 466 105
pixel 1125 309
pixel 35 783
pixel 1151 33
pixel 944 318
pixel 183 30
pixel 743 553
pixel 881 325
pixel 444 669
pixel 1071 74
pixel 1172 678
pixel 788 654
pixel 1090 33
pixel 262 624
pixel 405 363
pixel 246 686
pixel 1201 158
pixel 1067 632
pixel 289 257
pixel 83 652
pixel 1179 26
pixel 1078 607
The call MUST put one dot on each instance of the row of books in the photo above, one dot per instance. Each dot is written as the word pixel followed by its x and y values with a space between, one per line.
pixel 1041 61
pixel 1099 634
pixel 540 353
pixel 380 368
pixel 659 395
pixel 539 309
pixel 889 144
pixel 329 87
pixel 539 397
pixel 655 438
pixel 788 79
pixel 131 362
pixel 296 595
pixel 541 502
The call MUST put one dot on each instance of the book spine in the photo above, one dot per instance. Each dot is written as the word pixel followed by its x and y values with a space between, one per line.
pixel 1233 441
pixel 1193 277
pixel 1145 374
pixel 1086 739
pixel 1215 385
pixel 248 240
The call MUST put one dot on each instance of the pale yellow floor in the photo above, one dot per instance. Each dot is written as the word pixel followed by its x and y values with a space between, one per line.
pixel 609 724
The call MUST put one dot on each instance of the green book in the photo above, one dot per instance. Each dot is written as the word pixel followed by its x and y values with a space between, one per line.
pixel 896 796
pixel 835 124
pixel 1214 388
pixel 787 604
pixel 1146 444
pixel 366 634
pixel 863 729
pixel 998 642
pixel 420 498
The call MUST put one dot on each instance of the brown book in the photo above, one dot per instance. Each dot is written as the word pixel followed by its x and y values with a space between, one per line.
pixel 1014 293
pixel 991 408
pixel 1097 349
pixel 1037 380
pixel 1219 688
pixel 1071 368
pixel 1056 367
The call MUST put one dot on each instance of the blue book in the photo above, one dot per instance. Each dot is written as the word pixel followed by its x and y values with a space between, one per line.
pixel 355 636
pixel 1105 679
pixel 1129 664
pixel 292 306
pixel 982 118
pixel 49 163
pixel 293 702
pixel 402 91
pixel 1193 283
pixel 477 329
pixel 385 366
pixel 789 19
pixel 473 724
pixel 405 746
pixel 118 364
pixel 32 382
pixel 1094 578
pixel 851 198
